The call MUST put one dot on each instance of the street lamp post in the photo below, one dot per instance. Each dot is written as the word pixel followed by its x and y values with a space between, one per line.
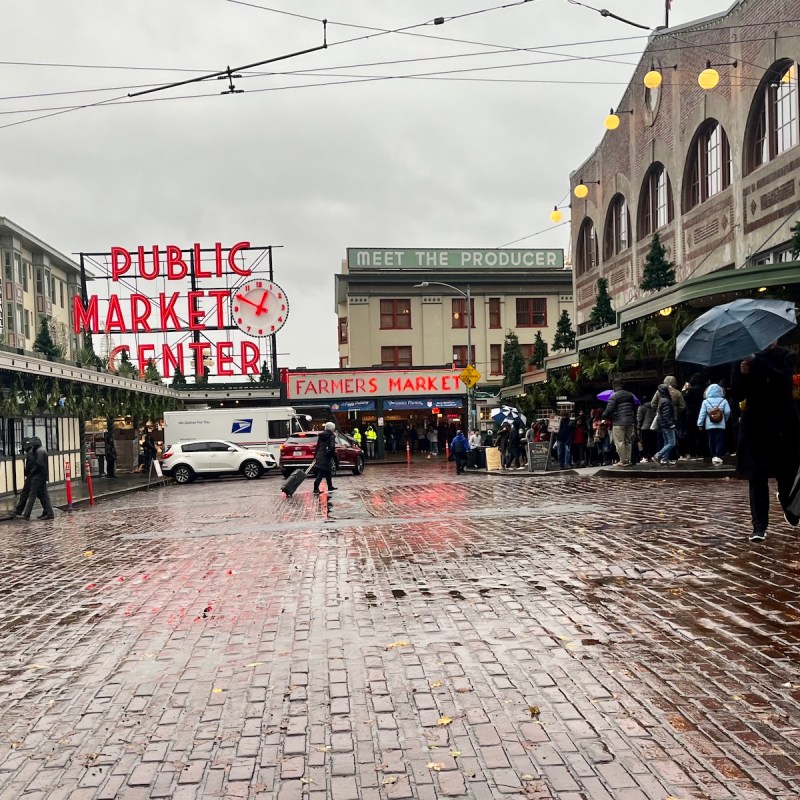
pixel 468 297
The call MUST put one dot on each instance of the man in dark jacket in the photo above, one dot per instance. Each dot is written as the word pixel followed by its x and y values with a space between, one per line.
pixel 323 457
pixel 30 460
pixel 667 420
pixel 769 440
pixel 39 473
pixel 459 448
pixel 621 411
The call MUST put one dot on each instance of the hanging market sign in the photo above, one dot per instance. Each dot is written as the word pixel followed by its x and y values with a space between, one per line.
pixel 387 383
pixel 438 258
pixel 258 308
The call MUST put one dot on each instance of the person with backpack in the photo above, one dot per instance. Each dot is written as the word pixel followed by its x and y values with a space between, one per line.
pixel 323 457
pixel 667 421
pixel 714 415
pixel 459 447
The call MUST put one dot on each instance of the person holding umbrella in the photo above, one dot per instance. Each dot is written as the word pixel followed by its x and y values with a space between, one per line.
pixel 747 331
pixel 769 440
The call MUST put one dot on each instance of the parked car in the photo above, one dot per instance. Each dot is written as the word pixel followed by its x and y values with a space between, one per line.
pixel 185 461
pixel 298 452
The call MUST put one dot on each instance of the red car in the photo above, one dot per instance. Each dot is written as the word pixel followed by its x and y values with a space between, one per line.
pixel 298 451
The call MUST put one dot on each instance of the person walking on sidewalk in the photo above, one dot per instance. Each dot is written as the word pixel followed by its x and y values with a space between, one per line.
pixel 433 441
pixel 372 437
pixel 111 454
pixel 27 469
pixel 646 435
pixel 678 405
pixel 622 413
pixel 769 434
pixel 323 457
pixel 666 423
pixel 564 440
pixel 40 475
pixel 713 418
pixel 459 447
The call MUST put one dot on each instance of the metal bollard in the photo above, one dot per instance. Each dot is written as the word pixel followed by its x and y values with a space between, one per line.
pixel 68 478
pixel 446 451
pixel 89 482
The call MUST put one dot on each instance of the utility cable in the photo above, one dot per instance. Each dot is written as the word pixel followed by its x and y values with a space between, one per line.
pixel 537 233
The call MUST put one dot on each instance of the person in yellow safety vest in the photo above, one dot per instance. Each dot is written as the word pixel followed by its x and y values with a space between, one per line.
pixel 372 438
pixel 357 436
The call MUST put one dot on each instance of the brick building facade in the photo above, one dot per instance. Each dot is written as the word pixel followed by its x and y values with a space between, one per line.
pixel 714 172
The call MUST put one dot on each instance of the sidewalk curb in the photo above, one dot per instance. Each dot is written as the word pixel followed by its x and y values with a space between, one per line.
pixel 84 501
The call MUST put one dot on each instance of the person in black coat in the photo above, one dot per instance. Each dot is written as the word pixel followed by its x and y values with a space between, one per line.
pixel 693 393
pixel 667 422
pixel 323 457
pixel 769 432
pixel 39 472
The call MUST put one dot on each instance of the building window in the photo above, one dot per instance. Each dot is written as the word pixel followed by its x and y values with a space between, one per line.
pixel 396 356
pixel 7 263
pixel 460 355
pixel 344 362
pixel 9 316
pixel 395 314
pixel 39 280
pixel 459 312
pixel 17 268
pixel 27 324
pixel 494 312
pixel 774 125
pixel 586 252
pixel 709 165
pixel 61 293
pixel 655 201
pixel 25 267
pixel 531 312
pixel 618 225
pixel 342 330
pixel 52 283
pixel 496 357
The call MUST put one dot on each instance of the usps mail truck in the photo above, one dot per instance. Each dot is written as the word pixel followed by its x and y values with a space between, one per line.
pixel 258 428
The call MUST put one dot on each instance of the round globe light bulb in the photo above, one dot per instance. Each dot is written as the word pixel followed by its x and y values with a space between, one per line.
pixel 581 191
pixel 665 312
pixel 653 79
pixel 555 215
pixel 612 122
pixel 708 78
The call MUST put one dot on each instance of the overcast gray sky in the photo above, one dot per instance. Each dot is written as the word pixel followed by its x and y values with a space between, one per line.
pixel 475 156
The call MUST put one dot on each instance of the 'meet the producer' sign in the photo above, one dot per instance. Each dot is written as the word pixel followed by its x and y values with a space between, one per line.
pixel 436 258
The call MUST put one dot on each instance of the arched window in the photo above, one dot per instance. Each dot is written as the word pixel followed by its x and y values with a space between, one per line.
pixel 774 124
pixel 708 169
pixel 655 201
pixel 618 226
pixel 586 251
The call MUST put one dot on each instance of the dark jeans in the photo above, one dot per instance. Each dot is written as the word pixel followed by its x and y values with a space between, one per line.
pixel 649 442
pixel 322 473
pixel 39 490
pixel 101 466
pixel 110 467
pixel 578 454
pixel 22 500
pixel 759 496
pixel 461 462
pixel 716 441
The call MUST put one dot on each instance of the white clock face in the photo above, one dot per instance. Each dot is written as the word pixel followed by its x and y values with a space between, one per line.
pixel 259 307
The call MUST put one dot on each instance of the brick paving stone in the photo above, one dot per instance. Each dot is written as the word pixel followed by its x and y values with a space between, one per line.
pixel 588 640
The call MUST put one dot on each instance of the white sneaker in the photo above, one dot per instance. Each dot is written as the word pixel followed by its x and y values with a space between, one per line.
pixel 716 461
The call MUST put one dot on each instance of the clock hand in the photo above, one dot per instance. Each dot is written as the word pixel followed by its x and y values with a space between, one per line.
pixel 261 308
pixel 245 300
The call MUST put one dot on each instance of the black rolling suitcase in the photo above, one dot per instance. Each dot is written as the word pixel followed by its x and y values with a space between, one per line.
pixel 293 482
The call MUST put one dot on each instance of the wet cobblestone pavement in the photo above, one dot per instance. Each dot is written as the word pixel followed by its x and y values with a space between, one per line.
pixel 414 636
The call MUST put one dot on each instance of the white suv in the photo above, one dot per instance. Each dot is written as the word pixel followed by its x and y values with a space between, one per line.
pixel 185 461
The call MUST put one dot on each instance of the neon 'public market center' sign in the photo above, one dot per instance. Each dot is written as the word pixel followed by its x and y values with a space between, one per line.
pixel 259 308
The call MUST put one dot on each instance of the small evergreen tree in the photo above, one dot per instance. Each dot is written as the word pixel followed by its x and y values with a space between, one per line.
pixel 565 335
pixel 602 313
pixel 266 375
pixel 125 369
pixel 44 343
pixel 202 380
pixel 178 379
pixel 539 351
pixel 658 272
pixel 151 373
pixel 513 361
pixel 796 239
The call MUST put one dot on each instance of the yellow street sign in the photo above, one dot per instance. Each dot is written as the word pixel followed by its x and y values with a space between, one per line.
pixel 470 376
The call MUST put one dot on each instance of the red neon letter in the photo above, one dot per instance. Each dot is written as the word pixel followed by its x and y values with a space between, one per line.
pixel 220 295
pixel 112 356
pixel 168 314
pixel 118 253
pixel 176 266
pixel 144 356
pixel 232 255
pixel 195 314
pixel 85 318
pixel 224 359
pixel 218 259
pixel 250 356
pixel 170 359
pixel 198 348
pixel 154 271
pixel 114 319
pixel 139 319
pixel 198 269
